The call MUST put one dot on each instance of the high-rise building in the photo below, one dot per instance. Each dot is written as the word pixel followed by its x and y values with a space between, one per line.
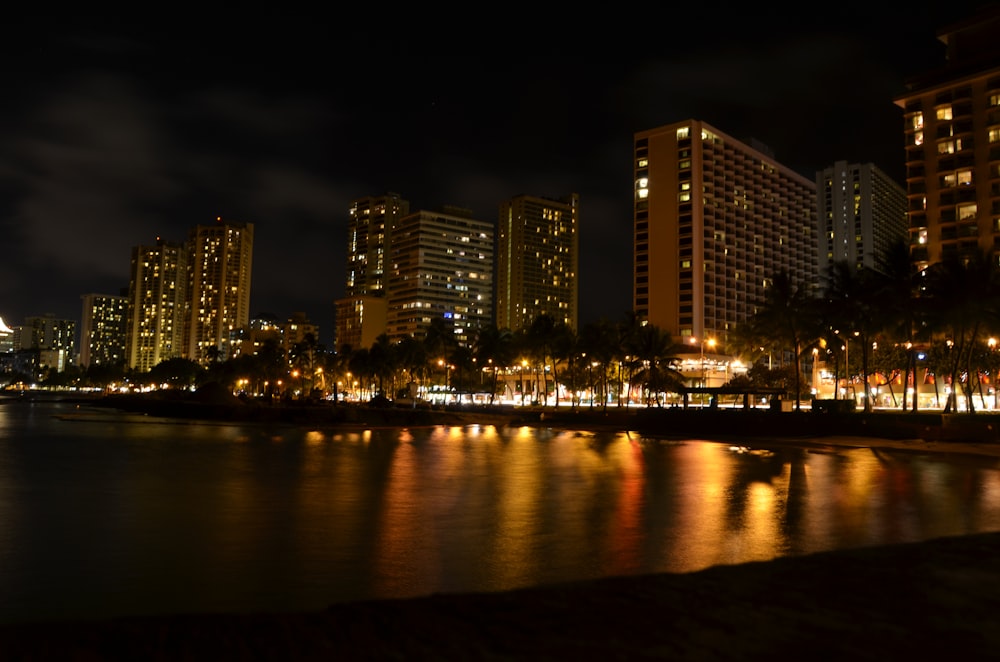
pixel 951 120
pixel 218 301
pixel 361 312
pixel 714 220
pixel 861 211
pixel 537 261
pixel 102 329
pixel 157 294
pixel 441 265
pixel 54 340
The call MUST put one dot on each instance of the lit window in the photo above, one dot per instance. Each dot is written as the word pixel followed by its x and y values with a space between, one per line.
pixel 965 212
pixel 948 180
pixel 995 99
pixel 685 186
pixel 922 237
pixel 684 165
pixel 683 132
pixel 964 177
pixel 643 163
pixel 918 138
pixel 994 135
pixel 642 182
pixel 946 147
pixel 917 121
pixel 944 113
pixel 685 197
pixel 643 193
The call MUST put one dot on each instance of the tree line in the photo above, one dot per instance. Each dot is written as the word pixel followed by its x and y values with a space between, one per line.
pixel 904 325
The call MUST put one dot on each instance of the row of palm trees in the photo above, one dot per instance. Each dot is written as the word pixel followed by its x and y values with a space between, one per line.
pixel 944 317
pixel 940 319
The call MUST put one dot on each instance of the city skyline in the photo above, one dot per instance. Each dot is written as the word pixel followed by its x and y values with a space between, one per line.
pixel 116 137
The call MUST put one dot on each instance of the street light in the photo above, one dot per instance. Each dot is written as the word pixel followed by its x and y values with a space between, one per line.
pixel 711 345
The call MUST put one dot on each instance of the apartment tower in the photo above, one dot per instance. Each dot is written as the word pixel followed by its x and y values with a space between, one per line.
pixel 537 261
pixel 714 220
pixel 218 305
pixel 154 329
pixel 361 312
pixel 102 329
pixel 861 212
pixel 951 131
pixel 441 265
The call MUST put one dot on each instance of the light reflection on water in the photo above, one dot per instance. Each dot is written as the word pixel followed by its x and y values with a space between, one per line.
pixel 104 515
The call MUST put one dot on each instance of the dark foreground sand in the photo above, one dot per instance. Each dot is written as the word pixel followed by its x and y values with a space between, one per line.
pixel 933 600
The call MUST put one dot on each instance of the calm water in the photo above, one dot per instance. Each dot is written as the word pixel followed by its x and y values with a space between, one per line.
pixel 108 515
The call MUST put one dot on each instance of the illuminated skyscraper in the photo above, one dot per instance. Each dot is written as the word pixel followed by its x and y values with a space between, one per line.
pixel 537 261
pixel 102 329
pixel 861 211
pixel 441 265
pixel 714 220
pixel 156 300
pixel 361 313
pixel 218 302
pixel 52 340
pixel 952 134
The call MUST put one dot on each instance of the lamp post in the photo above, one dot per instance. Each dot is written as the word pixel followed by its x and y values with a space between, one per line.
pixel 992 344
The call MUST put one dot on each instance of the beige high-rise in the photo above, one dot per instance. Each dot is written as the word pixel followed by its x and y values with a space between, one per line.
pixel 218 305
pixel 714 220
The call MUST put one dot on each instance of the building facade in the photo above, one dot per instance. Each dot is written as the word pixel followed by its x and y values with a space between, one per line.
pixel 441 265
pixel 715 219
pixel 952 135
pixel 537 261
pixel 102 329
pixel 53 339
pixel 861 212
pixel 157 291
pixel 360 313
pixel 218 301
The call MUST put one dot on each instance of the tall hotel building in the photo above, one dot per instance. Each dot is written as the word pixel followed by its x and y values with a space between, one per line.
pixel 361 312
pixel 952 134
pixel 714 220
pixel 157 293
pixel 102 329
pixel 218 305
pixel 537 261
pixel 441 265
pixel 861 212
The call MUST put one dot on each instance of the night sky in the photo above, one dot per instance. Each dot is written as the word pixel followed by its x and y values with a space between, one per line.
pixel 117 133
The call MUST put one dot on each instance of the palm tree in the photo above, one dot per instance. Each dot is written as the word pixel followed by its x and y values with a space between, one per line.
pixel 655 353
pixel 493 348
pixel 383 361
pixel 411 357
pixel 898 308
pixel 788 314
pixel 851 300
pixel 599 341
pixel 540 336
pixel 964 292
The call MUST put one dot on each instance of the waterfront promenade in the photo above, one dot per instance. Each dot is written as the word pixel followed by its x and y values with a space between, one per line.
pixel 931 427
